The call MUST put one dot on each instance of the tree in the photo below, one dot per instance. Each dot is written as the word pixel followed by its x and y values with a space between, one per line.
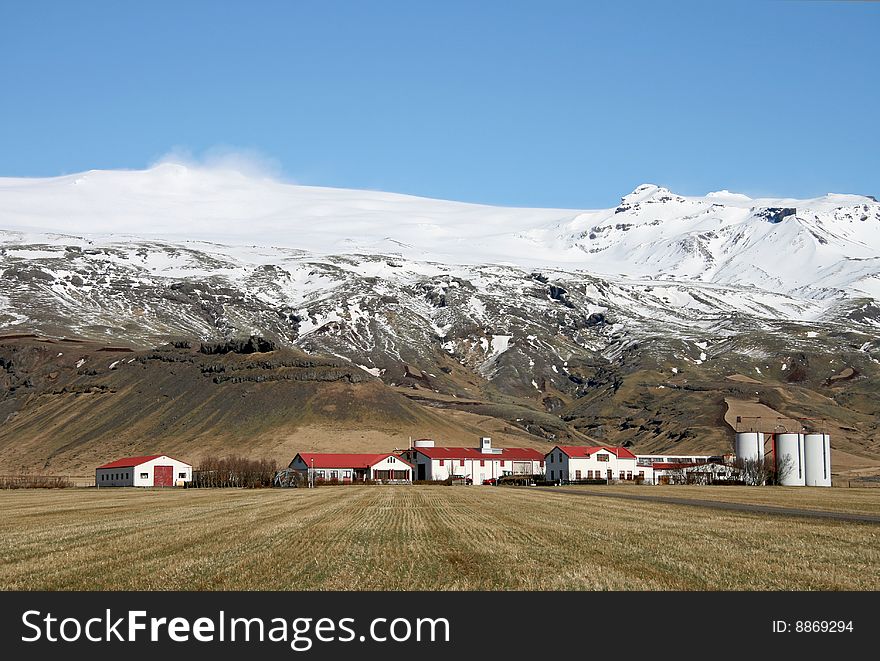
pixel 764 471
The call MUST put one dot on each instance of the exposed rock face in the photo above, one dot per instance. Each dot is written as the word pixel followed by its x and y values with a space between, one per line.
pixel 775 215
pixel 253 344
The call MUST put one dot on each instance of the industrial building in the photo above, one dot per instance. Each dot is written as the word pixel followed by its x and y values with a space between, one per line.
pixel 350 468
pixel 801 458
pixel 476 465
pixel 156 470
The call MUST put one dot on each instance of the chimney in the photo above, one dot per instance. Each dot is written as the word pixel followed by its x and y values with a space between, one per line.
pixel 486 446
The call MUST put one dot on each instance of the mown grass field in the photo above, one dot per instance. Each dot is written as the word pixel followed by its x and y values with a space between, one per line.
pixel 434 538
pixel 856 501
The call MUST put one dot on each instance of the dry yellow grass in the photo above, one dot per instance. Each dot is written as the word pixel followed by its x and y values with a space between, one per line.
pixel 855 501
pixel 367 538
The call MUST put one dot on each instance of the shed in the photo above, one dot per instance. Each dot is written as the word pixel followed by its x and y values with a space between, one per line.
pixel 155 470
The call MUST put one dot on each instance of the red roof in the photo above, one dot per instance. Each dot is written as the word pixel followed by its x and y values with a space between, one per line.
pixel 130 462
pixel 587 451
pixel 325 460
pixel 508 454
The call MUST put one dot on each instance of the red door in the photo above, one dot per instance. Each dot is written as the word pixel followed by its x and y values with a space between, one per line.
pixel 163 476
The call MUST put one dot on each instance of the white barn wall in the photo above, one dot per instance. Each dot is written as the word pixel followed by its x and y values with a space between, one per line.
pixel 560 466
pixel 391 463
pixel 177 468
pixel 134 473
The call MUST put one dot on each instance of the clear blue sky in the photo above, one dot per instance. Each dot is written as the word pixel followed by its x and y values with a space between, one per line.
pixel 543 103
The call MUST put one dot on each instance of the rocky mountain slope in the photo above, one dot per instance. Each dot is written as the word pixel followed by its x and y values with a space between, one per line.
pixel 637 324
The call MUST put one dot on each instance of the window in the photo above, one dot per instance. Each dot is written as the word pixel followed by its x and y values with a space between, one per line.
pixel 502 462
pixel 642 475
pixel 577 475
pixel 542 463
pixel 552 475
pixel 629 475
pixel 144 476
pixel 390 460
pixel 601 457
pixel 461 462
pixel 560 457
pixel 441 462
pixel 622 475
pixel 482 462
pixel 180 475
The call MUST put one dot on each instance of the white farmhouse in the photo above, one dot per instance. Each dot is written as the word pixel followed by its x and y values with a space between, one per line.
pixel 475 464
pixel 155 470
pixel 345 468
pixel 570 463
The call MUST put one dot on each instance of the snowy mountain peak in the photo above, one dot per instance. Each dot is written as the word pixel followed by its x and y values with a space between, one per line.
pixel 648 192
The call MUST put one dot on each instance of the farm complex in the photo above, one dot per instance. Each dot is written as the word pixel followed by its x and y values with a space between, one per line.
pixel 795 460
pixel 570 531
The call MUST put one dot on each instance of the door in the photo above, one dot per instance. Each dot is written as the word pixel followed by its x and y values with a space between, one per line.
pixel 163 476
pixel 421 470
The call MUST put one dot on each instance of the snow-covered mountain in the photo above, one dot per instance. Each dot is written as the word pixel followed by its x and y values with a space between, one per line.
pixel 817 247
pixel 545 305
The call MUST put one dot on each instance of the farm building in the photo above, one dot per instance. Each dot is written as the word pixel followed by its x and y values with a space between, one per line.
pixel 651 459
pixel 387 467
pixel 570 463
pixel 703 472
pixel 474 464
pixel 156 470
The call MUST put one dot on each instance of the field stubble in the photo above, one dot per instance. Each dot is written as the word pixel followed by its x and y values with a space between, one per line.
pixel 416 538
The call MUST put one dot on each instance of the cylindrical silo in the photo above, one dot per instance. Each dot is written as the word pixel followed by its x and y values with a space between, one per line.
pixel 749 445
pixel 817 460
pixel 790 459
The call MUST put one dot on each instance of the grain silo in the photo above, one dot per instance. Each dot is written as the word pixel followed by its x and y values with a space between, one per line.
pixel 749 446
pixel 817 460
pixel 790 459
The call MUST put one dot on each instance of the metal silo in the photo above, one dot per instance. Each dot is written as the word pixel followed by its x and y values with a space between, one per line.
pixel 817 460
pixel 790 459
pixel 749 445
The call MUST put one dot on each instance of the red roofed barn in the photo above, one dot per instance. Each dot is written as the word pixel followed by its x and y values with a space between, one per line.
pixel 384 467
pixel 155 470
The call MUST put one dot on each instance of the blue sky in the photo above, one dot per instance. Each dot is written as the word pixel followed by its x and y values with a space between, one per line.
pixel 550 103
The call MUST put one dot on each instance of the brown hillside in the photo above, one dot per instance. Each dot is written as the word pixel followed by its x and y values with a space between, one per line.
pixel 71 405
